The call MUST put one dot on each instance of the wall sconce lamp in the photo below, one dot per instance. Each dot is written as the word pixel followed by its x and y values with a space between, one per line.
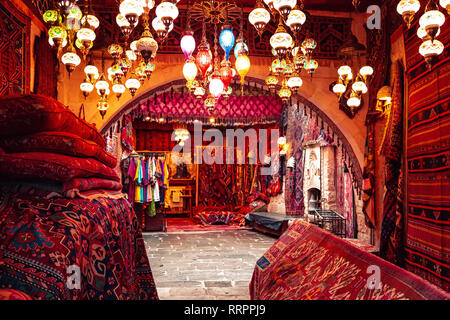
pixel 384 98
pixel 283 146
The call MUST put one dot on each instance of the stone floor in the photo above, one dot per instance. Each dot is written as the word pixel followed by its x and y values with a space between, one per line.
pixel 216 265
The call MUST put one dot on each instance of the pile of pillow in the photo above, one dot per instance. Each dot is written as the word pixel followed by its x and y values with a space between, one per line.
pixel 45 146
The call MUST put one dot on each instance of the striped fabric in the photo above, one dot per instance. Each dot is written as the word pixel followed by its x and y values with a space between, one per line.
pixel 428 154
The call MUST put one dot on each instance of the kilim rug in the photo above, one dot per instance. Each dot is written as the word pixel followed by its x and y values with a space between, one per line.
pixel 428 154
pixel 308 263
pixel 187 225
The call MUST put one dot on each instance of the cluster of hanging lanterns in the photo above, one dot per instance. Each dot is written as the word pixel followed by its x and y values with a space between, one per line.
pixel 136 59
pixel 181 134
pixel 206 74
pixel 429 25
pixel 291 56
pixel 72 29
pixel 357 84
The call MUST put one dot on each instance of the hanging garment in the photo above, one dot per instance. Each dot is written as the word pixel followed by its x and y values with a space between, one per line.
pixel 148 184
pixel 348 202
pixel 131 181
pixel 155 193
pixel 139 193
pixel 152 207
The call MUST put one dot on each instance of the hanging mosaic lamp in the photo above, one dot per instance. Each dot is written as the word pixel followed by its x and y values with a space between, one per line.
pixel 203 58
pixel 407 9
pixel 132 84
pixel 432 19
pixel 125 65
pixel 102 106
pixel 216 86
pixel 86 36
pixel 294 82
pixel 276 67
pixel 117 71
pixel 91 71
pixel 430 50
pixel 124 25
pixel 422 33
pixel 240 47
pixel 226 40
pixel 90 21
pixel 118 88
pixel 115 50
pixel 148 69
pixel 309 44
pixel 86 87
pixel 190 70
pixel 71 60
pixel 160 28
pixel 199 92
pixel 102 85
pixel 146 45
pixel 131 10
pixel 299 61
pixel 73 18
pixel 210 103
pixel 188 44
pixel 281 41
pixel 65 4
pixel 227 91
pixel 271 82
pixel 140 74
pixel 51 17
pixel 311 66
pixel 167 12
pixel 226 73
pixel 242 65
pixel 295 20
pixel 284 93
pixel 57 36
pixel 284 7
pixel 259 17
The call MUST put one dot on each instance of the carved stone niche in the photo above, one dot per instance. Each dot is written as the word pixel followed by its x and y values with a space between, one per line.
pixel 319 180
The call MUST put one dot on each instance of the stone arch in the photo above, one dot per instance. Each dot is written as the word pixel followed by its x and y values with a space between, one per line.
pixel 257 84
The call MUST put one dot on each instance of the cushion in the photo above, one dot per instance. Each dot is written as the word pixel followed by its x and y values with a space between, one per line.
pixel 52 166
pixel 31 113
pixel 11 294
pixel 58 142
pixel 84 184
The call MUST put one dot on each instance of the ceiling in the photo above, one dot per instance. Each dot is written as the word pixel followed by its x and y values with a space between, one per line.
pixel 328 5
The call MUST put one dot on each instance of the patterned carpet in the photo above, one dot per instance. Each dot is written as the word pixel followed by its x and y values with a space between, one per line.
pixel 187 224
pixel 428 215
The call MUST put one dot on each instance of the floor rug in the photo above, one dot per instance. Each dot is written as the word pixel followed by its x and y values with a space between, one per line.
pixel 186 225
pixel 308 263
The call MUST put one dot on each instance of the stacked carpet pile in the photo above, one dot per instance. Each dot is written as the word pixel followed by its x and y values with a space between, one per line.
pixel 66 230
pixel 45 148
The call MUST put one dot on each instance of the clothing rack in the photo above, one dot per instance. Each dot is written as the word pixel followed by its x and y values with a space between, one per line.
pixel 143 153
pixel 152 153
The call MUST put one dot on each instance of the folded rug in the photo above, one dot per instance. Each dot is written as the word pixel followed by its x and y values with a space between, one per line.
pixel 31 113
pixel 58 142
pixel 52 166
